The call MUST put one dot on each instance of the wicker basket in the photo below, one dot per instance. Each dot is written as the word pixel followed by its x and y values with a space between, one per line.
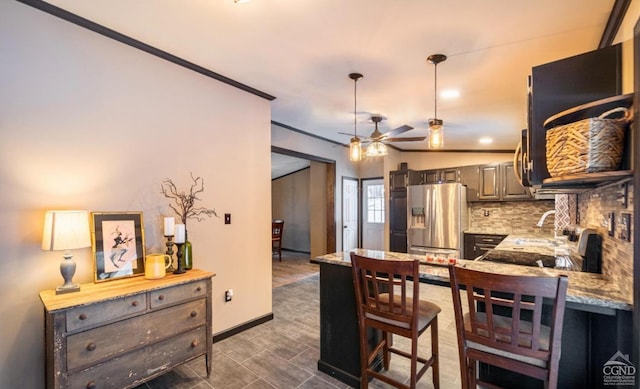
pixel 588 145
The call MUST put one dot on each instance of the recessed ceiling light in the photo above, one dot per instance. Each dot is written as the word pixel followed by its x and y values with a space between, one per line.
pixel 450 94
pixel 485 140
pixel 241 1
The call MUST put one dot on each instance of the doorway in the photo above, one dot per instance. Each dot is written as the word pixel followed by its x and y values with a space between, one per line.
pixel 349 213
pixel 373 214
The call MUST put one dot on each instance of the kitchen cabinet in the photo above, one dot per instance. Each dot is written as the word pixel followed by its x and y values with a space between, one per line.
pixel 435 176
pixel 398 220
pixel 122 333
pixel 476 245
pixel 498 183
pixel 470 177
pixel 563 84
pixel 398 179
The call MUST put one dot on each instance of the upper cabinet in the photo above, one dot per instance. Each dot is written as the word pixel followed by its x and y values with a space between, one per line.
pixel 434 176
pixel 398 179
pixel 497 182
pixel 561 85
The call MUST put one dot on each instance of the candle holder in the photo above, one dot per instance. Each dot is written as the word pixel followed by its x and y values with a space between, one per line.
pixel 180 268
pixel 169 251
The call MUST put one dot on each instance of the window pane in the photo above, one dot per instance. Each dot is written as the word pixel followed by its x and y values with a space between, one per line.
pixel 375 204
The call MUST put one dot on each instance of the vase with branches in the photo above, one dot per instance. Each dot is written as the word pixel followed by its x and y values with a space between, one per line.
pixel 184 205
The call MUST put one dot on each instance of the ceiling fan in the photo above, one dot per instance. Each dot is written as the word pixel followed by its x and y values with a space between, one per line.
pixel 387 137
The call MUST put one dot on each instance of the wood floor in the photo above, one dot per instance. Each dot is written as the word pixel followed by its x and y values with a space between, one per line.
pixel 294 266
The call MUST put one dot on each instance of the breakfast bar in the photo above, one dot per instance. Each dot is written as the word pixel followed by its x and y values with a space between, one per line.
pixel 597 317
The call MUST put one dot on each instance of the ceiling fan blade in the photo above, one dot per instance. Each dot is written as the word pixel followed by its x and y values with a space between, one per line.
pixel 398 131
pixel 408 139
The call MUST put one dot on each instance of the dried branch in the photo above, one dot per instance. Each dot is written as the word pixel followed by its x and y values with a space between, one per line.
pixel 183 204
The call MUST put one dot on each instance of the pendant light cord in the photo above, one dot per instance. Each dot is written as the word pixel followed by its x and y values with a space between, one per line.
pixel 355 84
pixel 435 91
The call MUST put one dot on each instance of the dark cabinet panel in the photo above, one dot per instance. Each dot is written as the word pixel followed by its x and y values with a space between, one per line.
pixel 511 188
pixel 563 84
pixel 470 177
pixel 489 188
pixel 398 179
pixel 476 245
pixel 398 220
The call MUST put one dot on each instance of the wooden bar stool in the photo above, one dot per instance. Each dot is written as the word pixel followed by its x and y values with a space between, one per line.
pixel 503 324
pixel 388 302
pixel 276 237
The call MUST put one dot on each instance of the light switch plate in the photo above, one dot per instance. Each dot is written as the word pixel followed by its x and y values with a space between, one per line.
pixel 227 218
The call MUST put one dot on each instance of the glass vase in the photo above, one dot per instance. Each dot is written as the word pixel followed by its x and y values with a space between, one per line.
pixel 187 253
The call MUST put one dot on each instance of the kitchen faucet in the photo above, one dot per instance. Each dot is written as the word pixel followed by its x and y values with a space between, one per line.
pixel 544 216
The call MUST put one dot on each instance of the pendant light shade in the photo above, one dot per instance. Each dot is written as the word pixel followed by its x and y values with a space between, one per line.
pixel 436 131
pixel 355 146
pixel 376 149
pixel 355 149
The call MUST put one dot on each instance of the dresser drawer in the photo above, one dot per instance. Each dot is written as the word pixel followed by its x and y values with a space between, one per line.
pixel 95 314
pixel 133 368
pixel 173 295
pixel 97 344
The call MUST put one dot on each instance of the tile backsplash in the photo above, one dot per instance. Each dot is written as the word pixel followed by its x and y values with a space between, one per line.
pixel 511 217
pixel 617 254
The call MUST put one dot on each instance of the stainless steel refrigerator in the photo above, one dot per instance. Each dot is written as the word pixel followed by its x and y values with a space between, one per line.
pixel 437 216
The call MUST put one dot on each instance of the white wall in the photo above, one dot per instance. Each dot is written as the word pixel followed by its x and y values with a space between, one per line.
pixel 295 141
pixel 436 160
pixel 93 124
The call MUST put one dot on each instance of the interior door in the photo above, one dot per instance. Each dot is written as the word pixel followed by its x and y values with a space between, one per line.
pixel 373 211
pixel 349 213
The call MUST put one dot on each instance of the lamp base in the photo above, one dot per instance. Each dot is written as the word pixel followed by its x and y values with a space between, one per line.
pixel 68 289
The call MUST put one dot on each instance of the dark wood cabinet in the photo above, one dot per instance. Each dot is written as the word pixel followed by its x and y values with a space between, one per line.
pixel 435 176
pixel 470 177
pixel 489 182
pixel 497 182
pixel 398 220
pixel 563 84
pixel 476 245
pixel 511 188
pixel 398 179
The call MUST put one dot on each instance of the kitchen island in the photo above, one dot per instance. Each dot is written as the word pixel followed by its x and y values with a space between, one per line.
pixel 597 317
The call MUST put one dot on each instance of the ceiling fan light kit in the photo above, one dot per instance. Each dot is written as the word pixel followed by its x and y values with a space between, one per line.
pixel 436 132
pixel 355 146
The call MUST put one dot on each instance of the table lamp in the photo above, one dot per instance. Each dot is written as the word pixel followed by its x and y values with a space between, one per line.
pixel 66 230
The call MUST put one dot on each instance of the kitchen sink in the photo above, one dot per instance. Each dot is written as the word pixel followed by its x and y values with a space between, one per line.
pixel 536 242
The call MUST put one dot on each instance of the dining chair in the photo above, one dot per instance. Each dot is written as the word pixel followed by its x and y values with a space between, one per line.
pixel 276 237
pixel 387 295
pixel 500 322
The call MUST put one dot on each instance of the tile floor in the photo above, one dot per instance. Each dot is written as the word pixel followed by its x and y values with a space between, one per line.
pixel 283 352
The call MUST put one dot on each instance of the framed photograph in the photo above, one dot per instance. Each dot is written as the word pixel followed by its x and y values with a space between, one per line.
pixel 118 245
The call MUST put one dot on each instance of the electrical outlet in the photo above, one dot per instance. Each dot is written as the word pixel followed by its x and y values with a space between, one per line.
pixel 228 295
pixel 227 218
pixel 612 224
pixel 486 213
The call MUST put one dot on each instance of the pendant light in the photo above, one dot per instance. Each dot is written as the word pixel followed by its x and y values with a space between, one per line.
pixel 355 147
pixel 376 148
pixel 436 132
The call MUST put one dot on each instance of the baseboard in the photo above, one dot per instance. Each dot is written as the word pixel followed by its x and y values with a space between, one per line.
pixel 242 327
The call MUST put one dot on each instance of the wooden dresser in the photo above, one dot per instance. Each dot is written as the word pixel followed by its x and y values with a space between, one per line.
pixel 119 334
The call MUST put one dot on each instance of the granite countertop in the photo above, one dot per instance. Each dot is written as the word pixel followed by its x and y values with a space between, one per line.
pixel 528 249
pixel 586 291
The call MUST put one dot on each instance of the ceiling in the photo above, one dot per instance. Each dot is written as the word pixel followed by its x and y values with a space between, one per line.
pixel 301 52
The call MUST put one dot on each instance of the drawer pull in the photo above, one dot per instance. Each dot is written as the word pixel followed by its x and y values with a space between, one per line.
pixel 198 289
pixel 91 346
pixel 194 343
pixel 82 316
pixel 91 385
pixel 194 313
pixel 134 303
pixel 161 297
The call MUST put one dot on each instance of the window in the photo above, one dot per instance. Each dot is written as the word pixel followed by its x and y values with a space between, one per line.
pixel 375 203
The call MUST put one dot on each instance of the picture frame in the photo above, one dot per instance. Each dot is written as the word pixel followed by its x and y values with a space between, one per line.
pixel 117 242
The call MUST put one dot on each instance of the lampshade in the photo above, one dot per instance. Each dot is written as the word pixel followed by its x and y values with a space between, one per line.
pixel 376 149
pixel 355 149
pixel 66 230
pixel 436 134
